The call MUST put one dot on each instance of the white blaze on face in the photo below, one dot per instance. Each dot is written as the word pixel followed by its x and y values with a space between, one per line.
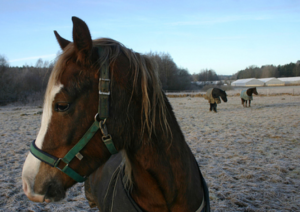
pixel 32 164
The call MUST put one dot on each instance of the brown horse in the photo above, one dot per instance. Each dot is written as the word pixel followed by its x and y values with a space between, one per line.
pixel 102 84
pixel 213 96
pixel 247 95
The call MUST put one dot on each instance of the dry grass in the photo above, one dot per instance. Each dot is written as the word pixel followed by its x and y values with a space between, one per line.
pixel 248 156
pixel 263 91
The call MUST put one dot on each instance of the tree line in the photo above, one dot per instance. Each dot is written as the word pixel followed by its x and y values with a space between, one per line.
pixel 27 84
pixel 206 75
pixel 172 77
pixel 24 84
pixel 288 70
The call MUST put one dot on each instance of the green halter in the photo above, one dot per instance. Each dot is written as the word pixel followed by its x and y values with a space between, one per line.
pixel 102 115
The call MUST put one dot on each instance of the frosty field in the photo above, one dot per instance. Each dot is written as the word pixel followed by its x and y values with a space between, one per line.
pixel 249 156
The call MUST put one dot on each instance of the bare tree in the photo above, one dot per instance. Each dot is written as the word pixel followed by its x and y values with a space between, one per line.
pixel 171 77
pixel 207 75
pixel 3 62
pixel 268 71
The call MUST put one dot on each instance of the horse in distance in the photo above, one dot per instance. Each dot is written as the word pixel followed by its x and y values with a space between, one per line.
pixel 213 96
pixel 246 95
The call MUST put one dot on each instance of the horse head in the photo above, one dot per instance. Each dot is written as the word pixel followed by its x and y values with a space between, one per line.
pixel 255 91
pixel 223 95
pixel 71 109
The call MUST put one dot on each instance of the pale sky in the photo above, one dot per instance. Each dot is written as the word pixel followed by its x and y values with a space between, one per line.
pixel 223 35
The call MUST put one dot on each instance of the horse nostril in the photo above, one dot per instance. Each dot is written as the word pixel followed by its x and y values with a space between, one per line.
pixel 54 193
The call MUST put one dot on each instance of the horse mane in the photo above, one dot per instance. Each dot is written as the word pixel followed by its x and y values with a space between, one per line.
pixel 249 91
pixel 145 76
pixel 219 92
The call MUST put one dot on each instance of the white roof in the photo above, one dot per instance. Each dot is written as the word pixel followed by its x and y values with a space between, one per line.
pixel 266 79
pixel 248 82
pixel 286 79
pixel 243 80
pixel 271 78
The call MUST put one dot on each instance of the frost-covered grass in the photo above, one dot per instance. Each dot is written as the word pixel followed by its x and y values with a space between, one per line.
pixel 248 156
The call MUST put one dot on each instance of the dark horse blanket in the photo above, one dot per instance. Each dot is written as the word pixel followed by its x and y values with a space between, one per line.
pixel 109 192
pixel 210 97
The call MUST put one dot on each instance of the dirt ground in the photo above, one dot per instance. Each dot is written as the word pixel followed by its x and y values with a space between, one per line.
pixel 248 156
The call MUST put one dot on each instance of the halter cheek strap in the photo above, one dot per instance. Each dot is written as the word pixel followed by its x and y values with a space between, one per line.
pixel 102 115
pixel 103 106
pixel 74 152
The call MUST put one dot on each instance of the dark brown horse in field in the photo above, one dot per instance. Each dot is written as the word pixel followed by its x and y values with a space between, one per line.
pixel 246 95
pixel 213 96
pixel 102 98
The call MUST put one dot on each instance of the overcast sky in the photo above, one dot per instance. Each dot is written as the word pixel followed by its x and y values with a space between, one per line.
pixel 223 35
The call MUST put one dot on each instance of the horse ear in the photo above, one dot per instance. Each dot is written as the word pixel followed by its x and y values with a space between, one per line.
pixel 82 39
pixel 61 41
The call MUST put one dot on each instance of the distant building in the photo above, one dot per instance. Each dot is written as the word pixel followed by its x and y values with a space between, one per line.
pixel 251 82
pixel 272 81
pixel 207 82
pixel 290 80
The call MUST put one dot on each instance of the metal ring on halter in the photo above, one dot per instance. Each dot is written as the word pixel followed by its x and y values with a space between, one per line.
pixel 95 118
pixel 103 127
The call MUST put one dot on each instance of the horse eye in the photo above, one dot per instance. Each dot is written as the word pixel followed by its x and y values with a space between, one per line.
pixel 61 107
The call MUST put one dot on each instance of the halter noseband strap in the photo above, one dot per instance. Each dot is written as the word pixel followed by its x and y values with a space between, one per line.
pixel 74 152
pixel 102 115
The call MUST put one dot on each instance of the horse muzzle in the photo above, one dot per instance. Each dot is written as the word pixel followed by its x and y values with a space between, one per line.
pixel 31 195
pixel 53 193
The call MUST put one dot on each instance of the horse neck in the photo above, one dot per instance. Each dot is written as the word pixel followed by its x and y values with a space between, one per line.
pixel 215 93
pixel 249 92
pixel 164 171
pixel 218 93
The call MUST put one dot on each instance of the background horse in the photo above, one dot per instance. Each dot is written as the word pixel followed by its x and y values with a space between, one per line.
pixel 213 96
pixel 247 95
pixel 102 84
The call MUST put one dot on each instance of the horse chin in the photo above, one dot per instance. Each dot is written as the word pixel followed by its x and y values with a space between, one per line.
pixel 35 198
pixel 52 195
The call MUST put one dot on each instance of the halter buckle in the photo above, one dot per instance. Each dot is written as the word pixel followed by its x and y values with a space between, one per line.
pixel 104 93
pixel 103 87
pixel 102 79
pixel 103 128
pixel 96 117
pixel 58 161
pixel 106 138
